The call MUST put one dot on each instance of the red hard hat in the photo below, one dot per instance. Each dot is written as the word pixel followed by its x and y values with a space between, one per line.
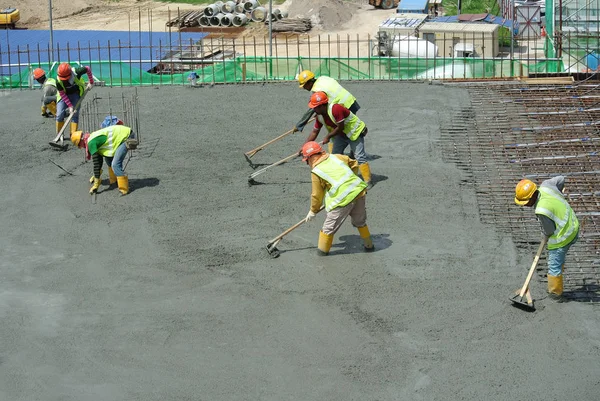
pixel 38 73
pixel 311 148
pixel 317 99
pixel 64 71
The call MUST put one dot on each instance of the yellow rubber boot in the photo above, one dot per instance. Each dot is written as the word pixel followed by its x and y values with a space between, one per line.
pixel 52 107
pixel 365 171
pixel 74 127
pixel 44 114
pixel 365 234
pixel 112 178
pixel 123 183
pixel 325 241
pixel 555 286
pixel 59 126
pixel 330 146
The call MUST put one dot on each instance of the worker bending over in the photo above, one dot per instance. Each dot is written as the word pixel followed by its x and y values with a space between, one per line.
pixel 334 179
pixel 71 86
pixel 112 144
pixel 558 222
pixel 344 127
pixel 49 92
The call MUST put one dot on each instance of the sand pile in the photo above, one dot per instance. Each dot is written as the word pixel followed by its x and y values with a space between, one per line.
pixel 328 14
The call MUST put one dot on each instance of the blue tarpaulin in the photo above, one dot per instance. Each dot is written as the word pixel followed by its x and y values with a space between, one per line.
pixel 33 46
pixel 478 19
pixel 413 6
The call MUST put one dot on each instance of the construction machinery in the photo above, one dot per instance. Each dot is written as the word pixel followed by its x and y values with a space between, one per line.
pixel 9 17
pixel 385 4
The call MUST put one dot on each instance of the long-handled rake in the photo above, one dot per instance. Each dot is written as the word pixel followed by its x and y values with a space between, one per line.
pixel 517 299
pixel 272 245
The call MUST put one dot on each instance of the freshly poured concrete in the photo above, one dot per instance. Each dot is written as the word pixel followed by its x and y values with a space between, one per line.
pixel 169 294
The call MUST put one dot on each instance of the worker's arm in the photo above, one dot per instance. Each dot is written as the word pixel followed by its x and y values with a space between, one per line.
pixel 547 225
pixel 318 193
pixel 314 134
pixel 97 160
pixel 304 120
pixel 558 182
pixel 79 71
pixel 340 113
pixel 337 130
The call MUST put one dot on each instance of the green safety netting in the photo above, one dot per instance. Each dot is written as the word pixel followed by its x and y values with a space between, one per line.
pixel 251 69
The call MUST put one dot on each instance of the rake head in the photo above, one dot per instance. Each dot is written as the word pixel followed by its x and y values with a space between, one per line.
pixel 56 145
pixel 522 304
pixel 252 165
pixel 273 251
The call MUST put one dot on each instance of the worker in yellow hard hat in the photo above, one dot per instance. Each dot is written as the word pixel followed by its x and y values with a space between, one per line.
pixel 335 182
pixel 558 222
pixel 49 92
pixel 111 144
pixel 344 126
pixel 71 87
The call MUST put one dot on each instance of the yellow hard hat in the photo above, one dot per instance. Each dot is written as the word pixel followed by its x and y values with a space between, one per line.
pixel 524 191
pixel 76 137
pixel 305 76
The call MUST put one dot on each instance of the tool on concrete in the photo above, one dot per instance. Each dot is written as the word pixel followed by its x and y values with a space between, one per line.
pixel 60 136
pixel 306 118
pixel 524 291
pixel 272 245
pixel 262 170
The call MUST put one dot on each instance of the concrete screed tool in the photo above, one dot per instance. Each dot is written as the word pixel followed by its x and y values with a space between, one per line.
pixel 306 118
pixel 524 291
pixel 272 245
pixel 60 136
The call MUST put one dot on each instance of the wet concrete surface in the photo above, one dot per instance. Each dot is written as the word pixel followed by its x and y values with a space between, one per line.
pixel 169 294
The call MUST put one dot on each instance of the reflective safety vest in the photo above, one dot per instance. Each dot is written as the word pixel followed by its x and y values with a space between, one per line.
pixel 553 205
pixel 115 136
pixel 76 81
pixel 353 126
pixel 345 185
pixel 335 92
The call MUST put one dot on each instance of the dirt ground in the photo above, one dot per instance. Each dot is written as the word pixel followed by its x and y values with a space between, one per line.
pixel 169 294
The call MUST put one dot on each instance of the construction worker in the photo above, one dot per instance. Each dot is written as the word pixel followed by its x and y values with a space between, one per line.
pixel 112 144
pixel 558 221
pixel 71 87
pixel 331 87
pixel 49 92
pixel 344 126
pixel 334 179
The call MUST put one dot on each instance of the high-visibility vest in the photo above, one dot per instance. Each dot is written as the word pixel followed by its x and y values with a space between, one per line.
pixel 335 92
pixel 115 136
pixel 77 81
pixel 345 185
pixel 353 125
pixel 553 205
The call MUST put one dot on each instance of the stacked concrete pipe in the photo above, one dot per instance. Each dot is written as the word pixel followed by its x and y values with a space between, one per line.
pixel 228 7
pixel 239 8
pixel 204 20
pixel 215 20
pixel 259 14
pixel 251 5
pixel 227 19
pixel 240 20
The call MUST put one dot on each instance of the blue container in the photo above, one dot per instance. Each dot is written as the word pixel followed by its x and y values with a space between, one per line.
pixel 592 61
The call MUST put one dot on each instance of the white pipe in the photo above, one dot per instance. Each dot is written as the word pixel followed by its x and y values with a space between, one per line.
pixel 240 20
pixel 204 21
pixel 250 5
pixel 276 14
pixel 211 10
pixel 239 8
pixel 215 20
pixel 284 14
pixel 228 7
pixel 227 19
pixel 259 14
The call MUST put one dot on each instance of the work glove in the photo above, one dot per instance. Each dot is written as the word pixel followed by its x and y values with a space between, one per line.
pixel 89 86
pixel 70 110
pixel 311 215
pixel 92 178
pixel 95 186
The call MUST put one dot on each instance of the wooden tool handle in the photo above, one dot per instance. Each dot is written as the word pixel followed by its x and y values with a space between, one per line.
pixel 286 159
pixel 62 130
pixel 533 266
pixel 261 147
pixel 289 230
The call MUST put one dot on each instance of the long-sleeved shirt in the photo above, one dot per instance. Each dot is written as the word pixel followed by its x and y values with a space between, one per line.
pixel 319 185
pixel 70 87
pixel 548 226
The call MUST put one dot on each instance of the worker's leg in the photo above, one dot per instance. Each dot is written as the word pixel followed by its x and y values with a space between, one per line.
pixel 340 142
pixel 358 216
pixel 52 107
pixel 355 107
pixel 74 98
pixel 61 108
pixel 556 260
pixel 358 147
pixel 112 177
pixel 333 222
pixel 117 166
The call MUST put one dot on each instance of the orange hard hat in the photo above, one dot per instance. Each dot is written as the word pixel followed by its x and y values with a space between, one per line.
pixel 38 73
pixel 524 191
pixel 317 99
pixel 311 148
pixel 64 71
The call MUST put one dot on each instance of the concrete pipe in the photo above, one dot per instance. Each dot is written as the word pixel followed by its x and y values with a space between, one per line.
pixel 259 14
pixel 212 9
pixel 219 4
pixel 227 19
pixel 215 20
pixel 251 5
pixel 240 20
pixel 277 14
pixel 204 20
pixel 284 14
pixel 228 7
pixel 239 8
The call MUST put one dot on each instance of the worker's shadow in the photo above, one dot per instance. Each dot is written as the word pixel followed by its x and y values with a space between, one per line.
pixel 588 294
pixel 139 183
pixel 354 244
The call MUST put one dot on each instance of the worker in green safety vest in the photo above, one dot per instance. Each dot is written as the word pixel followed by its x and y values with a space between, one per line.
pixel 344 127
pixel 558 221
pixel 335 182
pixel 50 94
pixel 71 87
pixel 111 144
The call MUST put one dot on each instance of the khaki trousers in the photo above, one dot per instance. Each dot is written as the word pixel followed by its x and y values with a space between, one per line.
pixel 356 210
